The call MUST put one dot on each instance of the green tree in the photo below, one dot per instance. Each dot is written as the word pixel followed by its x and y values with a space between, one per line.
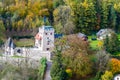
pixel 62 22
pixel 58 69
pixel 57 3
pixel 112 18
pixel 84 15
pixel 112 43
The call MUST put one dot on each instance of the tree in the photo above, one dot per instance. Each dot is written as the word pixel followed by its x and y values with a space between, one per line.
pixel 107 76
pixel 75 56
pixel 19 15
pixel 100 67
pixel 62 22
pixel 84 15
pixel 58 69
pixel 101 56
pixel 57 3
pixel 112 18
pixel 104 14
pixel 2 32
pixel 114 65
pixel 112 43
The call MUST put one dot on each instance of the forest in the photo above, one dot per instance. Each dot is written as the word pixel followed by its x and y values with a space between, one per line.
pixel 67 16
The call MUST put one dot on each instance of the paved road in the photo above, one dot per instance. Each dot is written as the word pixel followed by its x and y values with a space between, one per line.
pixel 47 73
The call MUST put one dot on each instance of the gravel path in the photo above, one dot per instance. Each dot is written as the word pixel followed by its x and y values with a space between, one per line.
pixel 47 73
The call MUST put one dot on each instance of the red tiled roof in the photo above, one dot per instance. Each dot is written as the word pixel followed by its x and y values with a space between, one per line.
pixel 38 36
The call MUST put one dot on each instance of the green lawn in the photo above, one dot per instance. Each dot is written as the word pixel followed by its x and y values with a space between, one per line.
pixel 93 43
pixel 24 42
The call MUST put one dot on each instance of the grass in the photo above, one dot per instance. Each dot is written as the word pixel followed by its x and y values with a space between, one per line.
pixel 24 42
pixel 93 43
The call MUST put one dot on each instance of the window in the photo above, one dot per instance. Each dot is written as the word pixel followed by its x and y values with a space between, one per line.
pixel 46 33
pixel 51 33
pixel 48 43
pixel 47 49
pixel 47 37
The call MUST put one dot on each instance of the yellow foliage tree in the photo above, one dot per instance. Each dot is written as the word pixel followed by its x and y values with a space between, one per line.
pixel 114 65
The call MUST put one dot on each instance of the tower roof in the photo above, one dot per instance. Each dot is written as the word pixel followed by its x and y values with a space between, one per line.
pixel 38 36
pixel 9 43
pixel 48 27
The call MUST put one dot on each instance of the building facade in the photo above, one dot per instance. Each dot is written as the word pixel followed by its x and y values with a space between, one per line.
pixel 44 39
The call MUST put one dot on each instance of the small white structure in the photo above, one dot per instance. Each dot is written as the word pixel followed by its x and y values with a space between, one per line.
pixel 44 39
pixel 9 47
pixel 117 77
pixel 102 33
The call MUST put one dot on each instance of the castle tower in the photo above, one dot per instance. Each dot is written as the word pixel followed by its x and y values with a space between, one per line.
pixel 9 47
pixel 44 39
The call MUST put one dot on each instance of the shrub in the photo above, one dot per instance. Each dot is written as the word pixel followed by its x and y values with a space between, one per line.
pixel 69 72
pixel 107 76
pixel 101 62
pixel 100 44
pixel 42 68
pixel 114 65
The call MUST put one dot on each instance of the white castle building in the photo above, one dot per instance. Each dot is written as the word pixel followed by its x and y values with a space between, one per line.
pixel 44 44
pixel 44 39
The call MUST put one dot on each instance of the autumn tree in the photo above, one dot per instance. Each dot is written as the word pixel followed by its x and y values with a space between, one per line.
pixel 107 76
pixel 23 15
pixel 114 65
pixel 75 56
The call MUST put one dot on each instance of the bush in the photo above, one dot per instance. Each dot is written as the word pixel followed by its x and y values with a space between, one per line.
pixel 101 62
pixel 69 72
pixel 42 68
pixel 114 65
pixel 107 76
